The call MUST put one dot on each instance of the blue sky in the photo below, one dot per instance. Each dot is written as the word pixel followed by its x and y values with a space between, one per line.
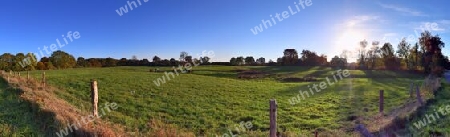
pixel 167 27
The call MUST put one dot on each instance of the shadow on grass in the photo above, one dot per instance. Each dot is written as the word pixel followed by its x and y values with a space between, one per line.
pixel 22 118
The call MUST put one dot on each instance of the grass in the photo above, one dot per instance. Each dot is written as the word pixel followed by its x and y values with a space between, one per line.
pixel 441 125
pixel 212 99
pixel 16 116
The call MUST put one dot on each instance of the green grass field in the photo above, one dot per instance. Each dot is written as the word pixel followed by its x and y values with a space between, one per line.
pixel 212 99
pixel 17 118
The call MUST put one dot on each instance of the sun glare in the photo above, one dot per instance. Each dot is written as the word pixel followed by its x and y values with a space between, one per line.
pixel 349 40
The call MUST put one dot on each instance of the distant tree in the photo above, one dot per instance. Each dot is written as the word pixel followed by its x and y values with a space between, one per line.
pixel 280 61
pixel 183 56
pixel 62 60
pixel 290 57
pixel 434 60
pixel 29 62
pixel 122 62
pixel 93 62
pixel 272 63
pixel 189 59
pixel 205 59
pixel 156 60
pixel 233 61
pixel 403 51
pixel 6 61
pixel 81 62
pixel 310 58
pixel 165 62
pixel 41 66
pixel 322 60
pixel 373 55
pixel 45 59
pixel 388 56
pixel 338 62
pixel 414 56
pixel 49 66
pixel 18 62
pixel 249 60
pixel 173 62
pixel 110 62
pixel 240 61
pixel 197 61
pixel 261 61
pixel 362 54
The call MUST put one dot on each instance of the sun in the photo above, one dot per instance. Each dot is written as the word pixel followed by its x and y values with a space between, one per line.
pixel 349 40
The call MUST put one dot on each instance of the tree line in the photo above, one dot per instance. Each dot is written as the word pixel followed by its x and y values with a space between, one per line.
pixel 425 55
pixel 63 60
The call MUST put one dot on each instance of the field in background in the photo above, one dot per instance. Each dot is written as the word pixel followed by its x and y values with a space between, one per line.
pixel 213 99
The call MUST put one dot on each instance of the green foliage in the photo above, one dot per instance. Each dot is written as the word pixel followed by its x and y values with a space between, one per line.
pixel 62 60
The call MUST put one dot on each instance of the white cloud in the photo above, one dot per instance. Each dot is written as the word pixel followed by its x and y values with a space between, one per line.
pixel 406 11
pixel 356 20
pixel 390 34
pixel 432 26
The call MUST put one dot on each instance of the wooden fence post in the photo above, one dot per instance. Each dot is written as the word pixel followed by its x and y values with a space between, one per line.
pixel 273 118
pixel 419 97
pixel 94 95
pixel 381 101
pixel 43 79
pixel 28 75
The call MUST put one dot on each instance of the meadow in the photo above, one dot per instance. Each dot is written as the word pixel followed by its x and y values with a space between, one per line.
pixel 212 99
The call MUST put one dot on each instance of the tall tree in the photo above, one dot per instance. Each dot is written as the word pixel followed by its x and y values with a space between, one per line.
pixel 189 59
pixel 338 62
pixel 173 62
pixel 205 59
pixel 249 60
pixel 19 63
pixel 156 59
pixel 310 58
pixel 240 60
pixel 81 62
pixel 261 61
pixel 362 54
pixel 373 54
pixel 183 56
pixel 62 60
pixel 7 61
pixel 433 58
pixel 388 56
pixel 290 57
pixel 403 51
pixel 233 61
